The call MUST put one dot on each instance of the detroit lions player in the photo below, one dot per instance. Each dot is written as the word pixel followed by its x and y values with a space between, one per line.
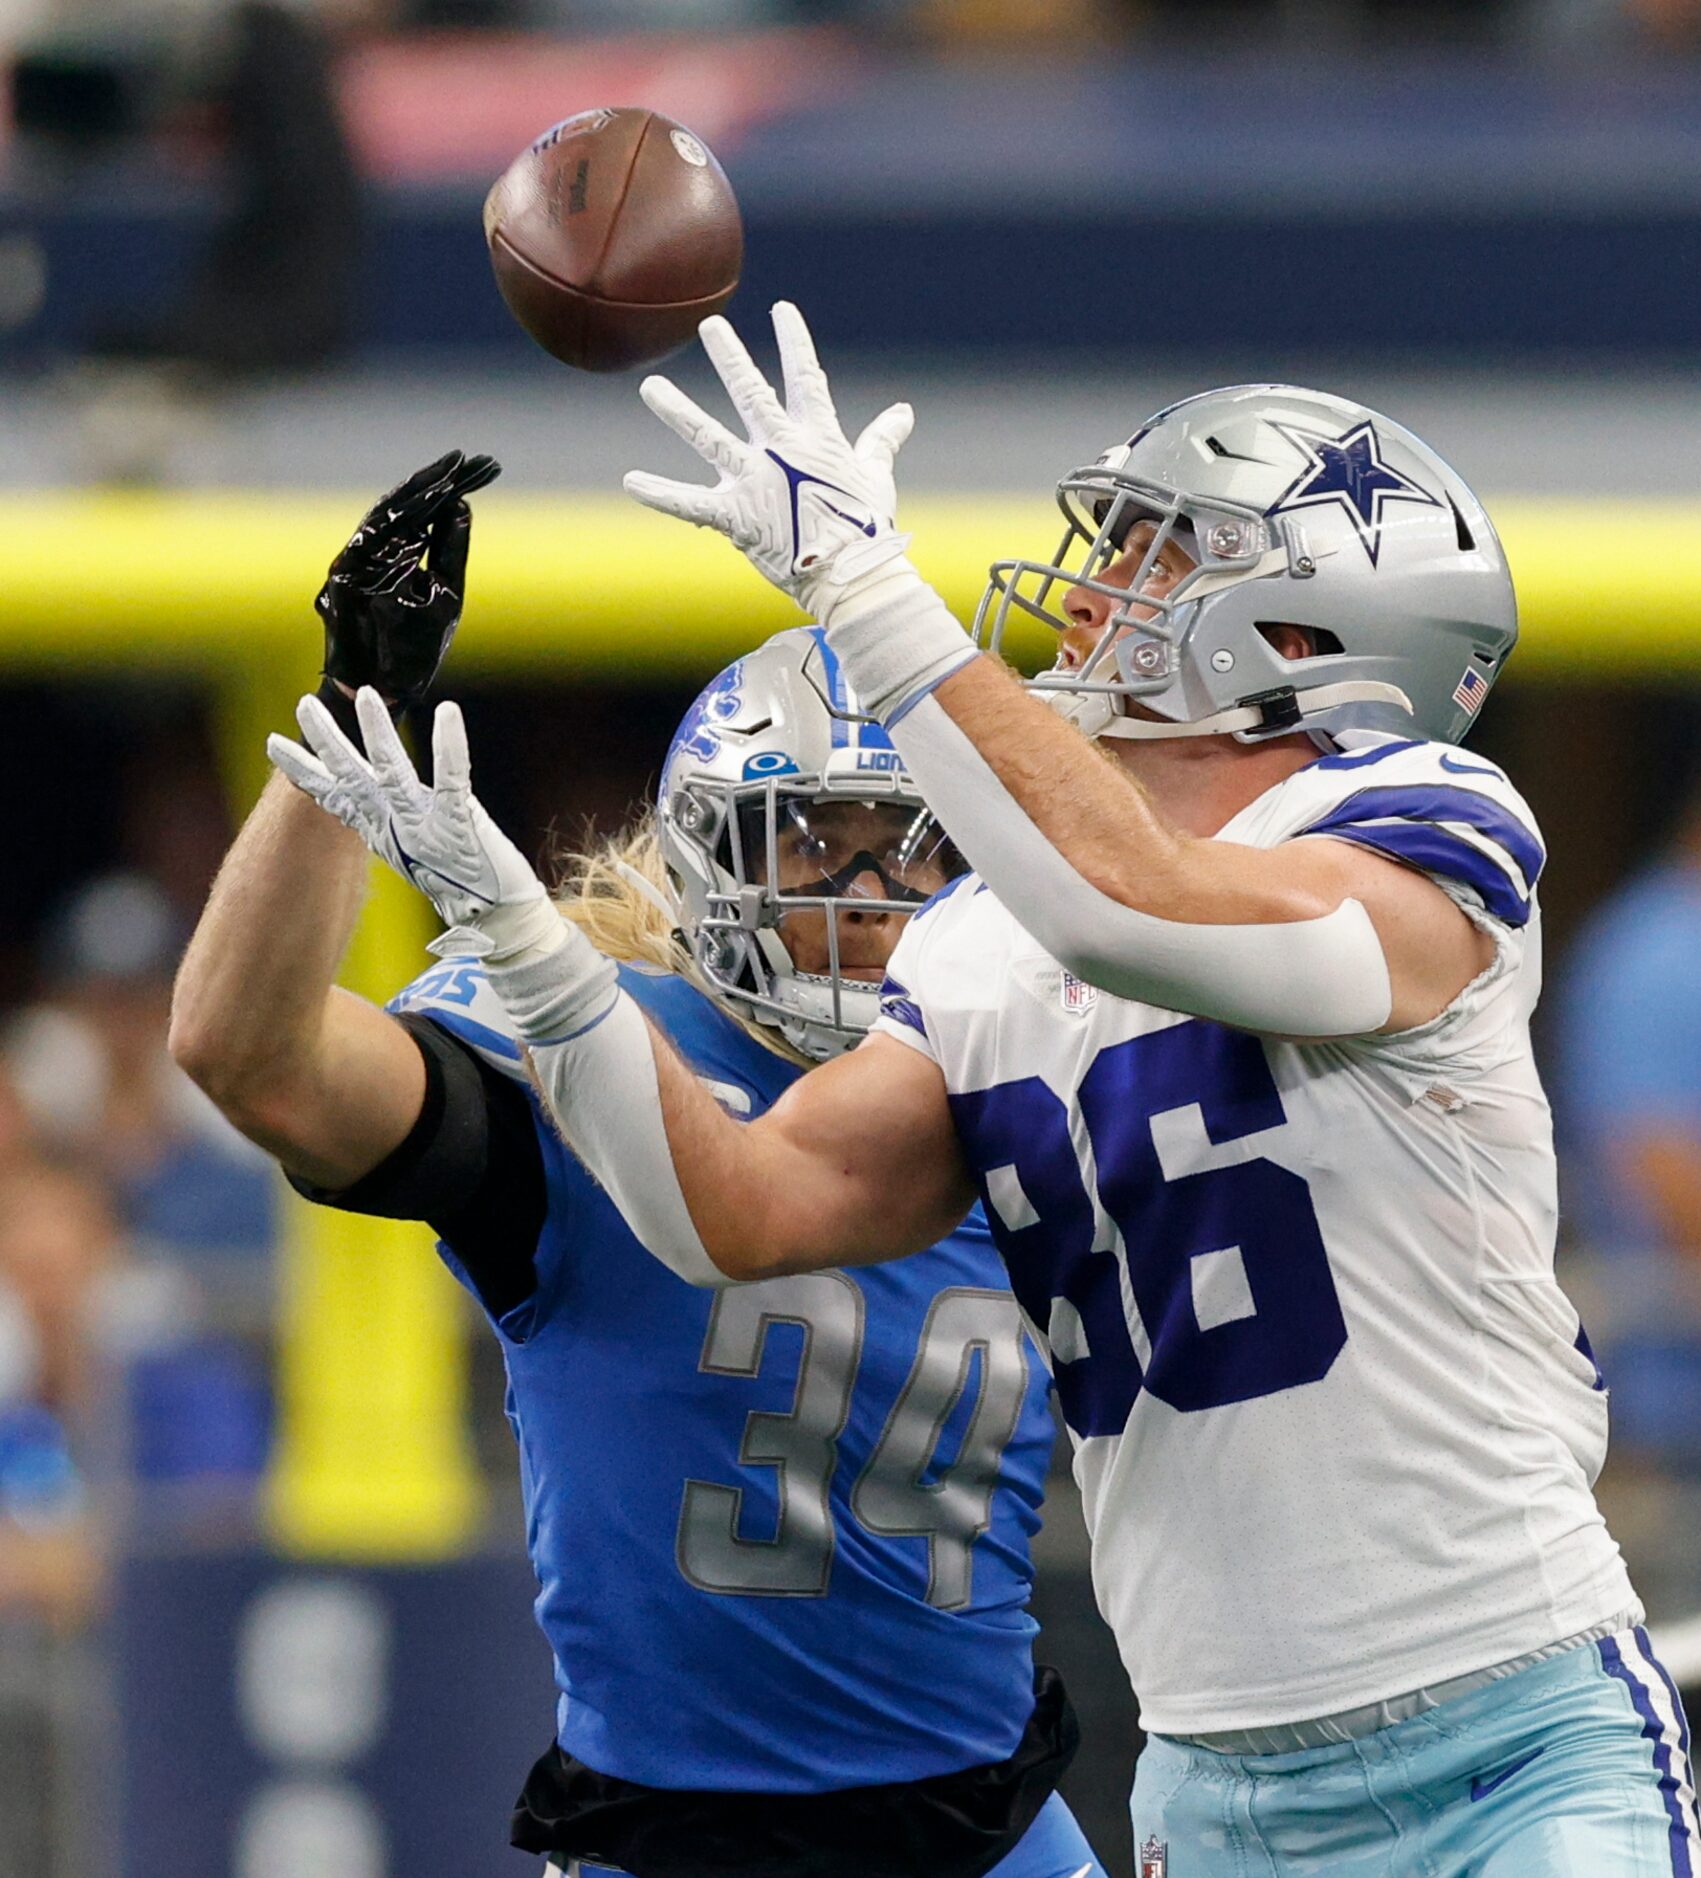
pixel 1232 1037
pixel 782 1535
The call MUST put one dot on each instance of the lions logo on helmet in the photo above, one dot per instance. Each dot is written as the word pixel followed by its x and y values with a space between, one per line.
pixel 716 703
pixel 1296 509
pixel 789 826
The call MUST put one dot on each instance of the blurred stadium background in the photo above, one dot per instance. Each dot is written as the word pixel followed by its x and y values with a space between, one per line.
pixel 263 1603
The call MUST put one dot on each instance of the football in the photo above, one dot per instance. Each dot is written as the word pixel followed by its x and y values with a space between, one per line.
pixel 612 236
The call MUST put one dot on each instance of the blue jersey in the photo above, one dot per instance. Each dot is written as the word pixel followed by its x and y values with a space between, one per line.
pixel 782 1531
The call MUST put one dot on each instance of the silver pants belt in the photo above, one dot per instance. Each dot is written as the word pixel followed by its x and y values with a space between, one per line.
pixel 1353 1724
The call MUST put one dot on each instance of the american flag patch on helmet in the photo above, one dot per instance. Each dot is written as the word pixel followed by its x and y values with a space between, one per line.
pixel 1471 689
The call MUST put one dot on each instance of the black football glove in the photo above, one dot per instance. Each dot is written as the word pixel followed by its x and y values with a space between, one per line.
pixel 392 599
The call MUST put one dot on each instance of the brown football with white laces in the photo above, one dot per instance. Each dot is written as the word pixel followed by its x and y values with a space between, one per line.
pixel 613 236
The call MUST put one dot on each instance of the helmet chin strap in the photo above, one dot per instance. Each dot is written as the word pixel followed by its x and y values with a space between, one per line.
pixel 1281 709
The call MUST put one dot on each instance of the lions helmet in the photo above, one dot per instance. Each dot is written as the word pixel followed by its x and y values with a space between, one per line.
pixel 1298 509
pixel 790 827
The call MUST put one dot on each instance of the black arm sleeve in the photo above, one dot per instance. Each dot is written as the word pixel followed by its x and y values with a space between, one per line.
pixel 471 1166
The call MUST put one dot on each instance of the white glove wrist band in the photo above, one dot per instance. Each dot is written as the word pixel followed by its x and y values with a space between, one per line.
pixel 894 635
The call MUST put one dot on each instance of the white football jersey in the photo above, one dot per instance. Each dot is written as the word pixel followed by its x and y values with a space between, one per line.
pixel 1336 1425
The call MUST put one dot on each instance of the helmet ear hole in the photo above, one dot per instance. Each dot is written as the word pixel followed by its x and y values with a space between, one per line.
pixel 1318 639
pixel 1462 529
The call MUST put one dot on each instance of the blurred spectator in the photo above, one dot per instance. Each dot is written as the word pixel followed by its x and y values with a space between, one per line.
pixel 1055 26
pixel 90 1065
pixel 1630 1011
pixel 17 1132
pixel 58 1242
pixel 277 286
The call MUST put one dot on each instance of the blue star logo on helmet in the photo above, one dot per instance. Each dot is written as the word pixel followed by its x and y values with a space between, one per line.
pixel 1349 472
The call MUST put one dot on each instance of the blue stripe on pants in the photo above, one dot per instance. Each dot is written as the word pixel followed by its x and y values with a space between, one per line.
pixel 1574 1768
pixel 1651 1691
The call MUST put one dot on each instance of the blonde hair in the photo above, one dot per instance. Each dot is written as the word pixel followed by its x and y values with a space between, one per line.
pixel 596 892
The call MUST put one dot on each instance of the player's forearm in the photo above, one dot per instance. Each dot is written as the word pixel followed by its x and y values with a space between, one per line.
pixel 1077 854
pixel 599 1068
pixel 714 1199
pixel 912 664
pixel 251 999
pixel 853 1166
pixel 699 1190
pixel 1096 816
pixel 738 1182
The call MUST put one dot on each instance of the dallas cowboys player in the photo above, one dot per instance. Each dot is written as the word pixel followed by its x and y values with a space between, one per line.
pixel 1231 1035
pixel 782 1535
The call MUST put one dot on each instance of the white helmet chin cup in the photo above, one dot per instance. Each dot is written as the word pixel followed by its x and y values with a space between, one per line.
pixel 818 1014
pixel 1093 713
pixel 775 741
pixel 1296 509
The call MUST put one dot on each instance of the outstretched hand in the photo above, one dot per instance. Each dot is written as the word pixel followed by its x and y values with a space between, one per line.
pixel 393 597
pixel 438 837
pixel 809 508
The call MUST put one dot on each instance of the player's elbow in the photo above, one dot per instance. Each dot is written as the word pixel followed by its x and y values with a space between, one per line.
pixel 748 1256
pixel 761 1239
pixel 253 1095
pixel 204 1055
pixel 732 1265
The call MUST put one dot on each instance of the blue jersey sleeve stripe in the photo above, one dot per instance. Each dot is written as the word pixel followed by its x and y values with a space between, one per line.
pixel 1438 851
pixel 1434 802
pixel 903 1011
pixel 944 893
pixel 1363 759
pixel 896 1003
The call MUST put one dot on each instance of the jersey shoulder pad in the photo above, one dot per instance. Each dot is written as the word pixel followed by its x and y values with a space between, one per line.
pixel 457 996
pixel 1450 814
pixel 900 991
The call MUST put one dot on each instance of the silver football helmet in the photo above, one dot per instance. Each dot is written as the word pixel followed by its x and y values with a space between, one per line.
pixel 1298 509
pixel 793 837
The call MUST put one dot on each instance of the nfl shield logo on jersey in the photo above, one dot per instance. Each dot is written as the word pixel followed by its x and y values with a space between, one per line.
pixel 1078 999
pixel 1154 1858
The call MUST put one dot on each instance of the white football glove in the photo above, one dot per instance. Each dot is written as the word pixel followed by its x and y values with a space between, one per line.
pixel 439 838
pixel 801 500
pixel 815 513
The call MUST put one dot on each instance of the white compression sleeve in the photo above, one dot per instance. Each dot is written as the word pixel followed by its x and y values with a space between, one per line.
pixel 896 637
pixel 1323 977
pixel 594 1058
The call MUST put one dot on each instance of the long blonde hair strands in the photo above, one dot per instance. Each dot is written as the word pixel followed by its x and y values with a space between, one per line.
pixel 626 925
